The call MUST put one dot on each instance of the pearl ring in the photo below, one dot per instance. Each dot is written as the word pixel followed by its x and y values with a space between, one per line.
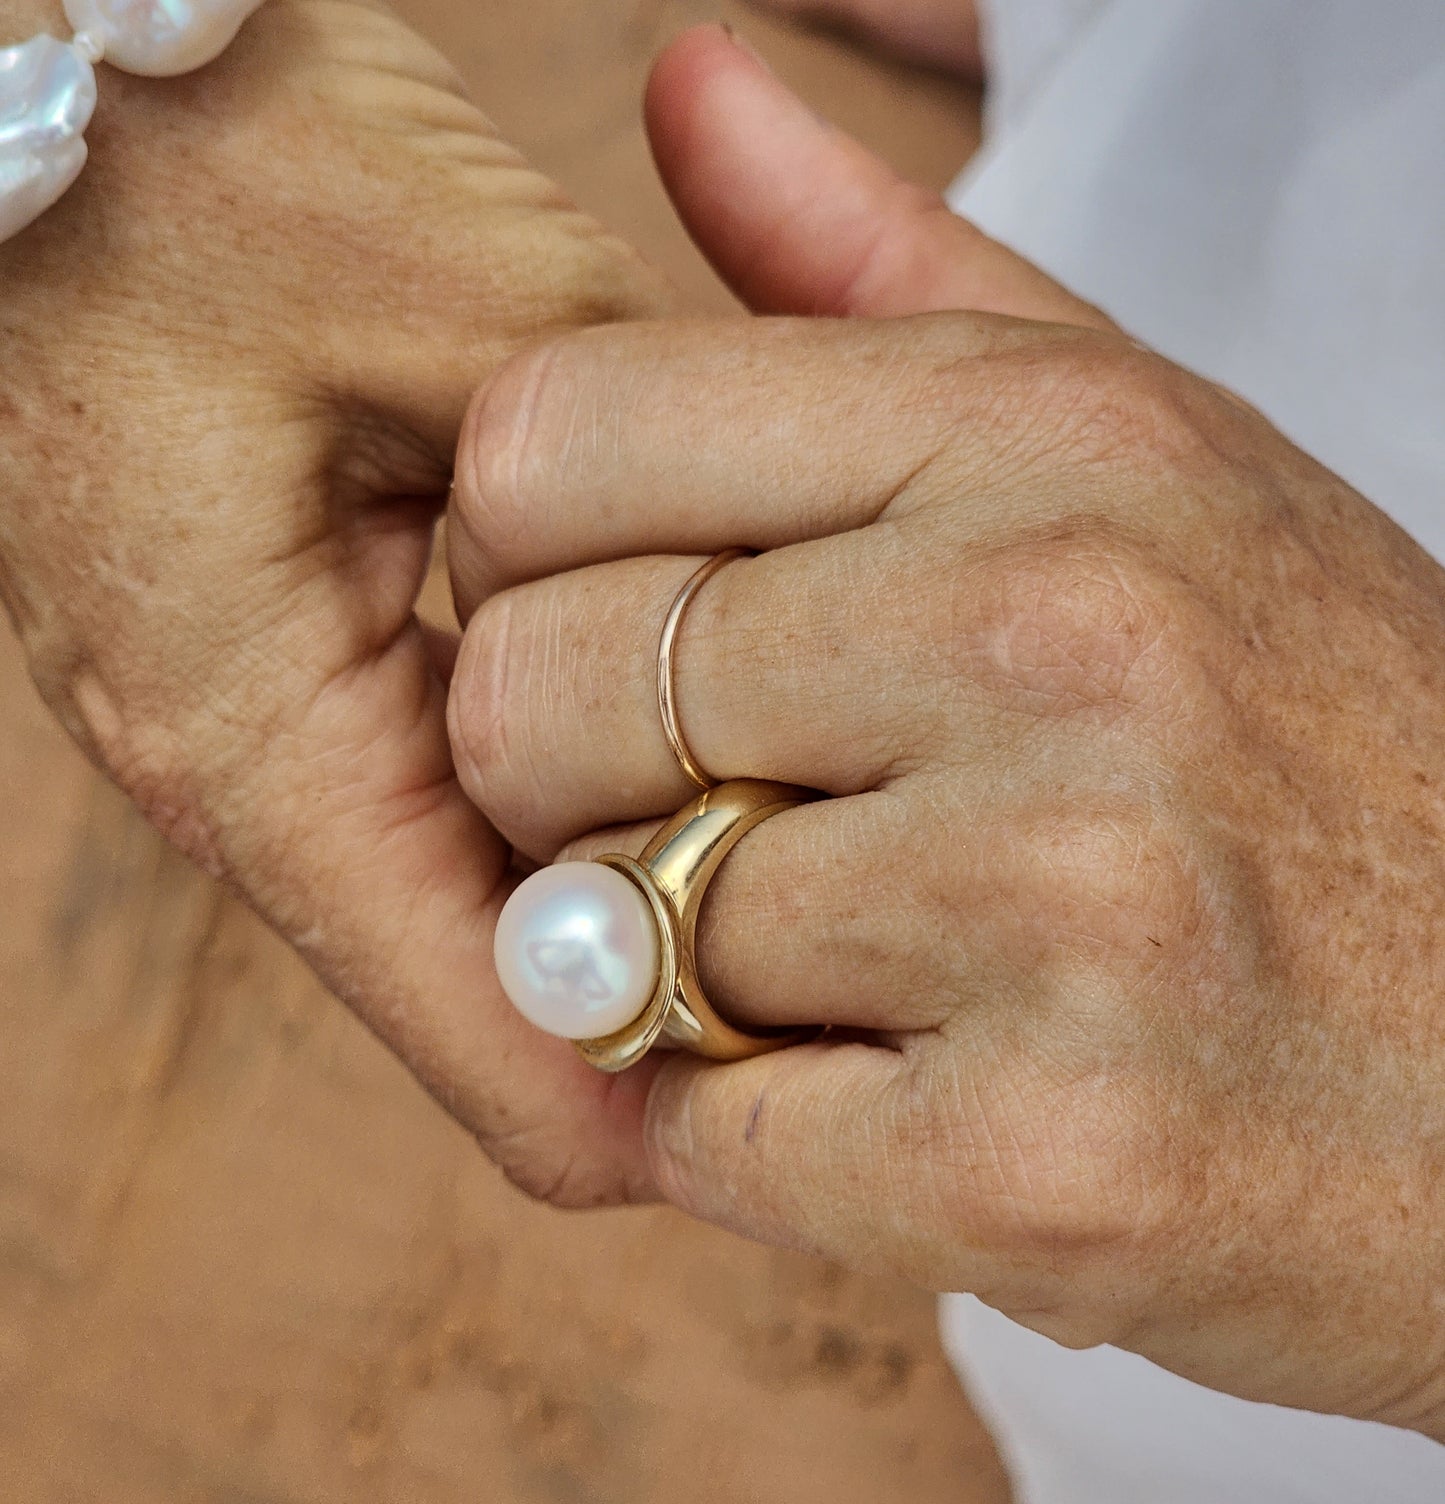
pixel 604 953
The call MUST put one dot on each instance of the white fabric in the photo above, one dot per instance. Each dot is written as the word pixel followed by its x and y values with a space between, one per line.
pixel 1024 41
pixel 1257 188
pixel 1106 1427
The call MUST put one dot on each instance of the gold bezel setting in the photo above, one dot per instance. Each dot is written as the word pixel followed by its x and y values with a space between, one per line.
pixel 672 874
pixel 615 1052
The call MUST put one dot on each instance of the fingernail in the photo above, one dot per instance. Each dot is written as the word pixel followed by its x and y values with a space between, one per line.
pixel 745 46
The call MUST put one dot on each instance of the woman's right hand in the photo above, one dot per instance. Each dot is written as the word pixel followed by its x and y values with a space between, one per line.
pixel 1126 911
pixel 235 360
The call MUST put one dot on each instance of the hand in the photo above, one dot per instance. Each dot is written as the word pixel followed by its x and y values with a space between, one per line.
pixel 1126 911
pixel 235 362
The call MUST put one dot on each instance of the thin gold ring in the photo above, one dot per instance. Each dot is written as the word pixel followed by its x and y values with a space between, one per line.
pixel 667 666
pixel 673 874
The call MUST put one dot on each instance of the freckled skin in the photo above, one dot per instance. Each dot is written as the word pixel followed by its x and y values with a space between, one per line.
pixel 233 363
pixel 1128 913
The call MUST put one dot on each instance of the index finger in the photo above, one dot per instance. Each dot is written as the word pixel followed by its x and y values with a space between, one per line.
pixel 692 437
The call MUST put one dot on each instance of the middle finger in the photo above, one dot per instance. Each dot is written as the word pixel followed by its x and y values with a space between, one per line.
pixel 554 714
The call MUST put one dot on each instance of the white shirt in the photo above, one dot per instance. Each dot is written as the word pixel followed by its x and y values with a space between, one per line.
pixel 1256 188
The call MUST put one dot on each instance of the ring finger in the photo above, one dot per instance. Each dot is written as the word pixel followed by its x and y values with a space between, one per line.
pixel 788 936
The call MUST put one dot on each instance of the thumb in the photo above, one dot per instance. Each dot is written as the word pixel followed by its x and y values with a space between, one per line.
pixel 797 217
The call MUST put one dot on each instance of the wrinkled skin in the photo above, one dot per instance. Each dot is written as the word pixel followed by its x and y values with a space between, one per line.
pixel 1138 859
pixel 1128 910
pixel 235 360
pixel 1134 880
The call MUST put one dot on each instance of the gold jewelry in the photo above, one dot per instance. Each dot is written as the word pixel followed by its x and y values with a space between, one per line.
pixel 667 669
pixel 673 873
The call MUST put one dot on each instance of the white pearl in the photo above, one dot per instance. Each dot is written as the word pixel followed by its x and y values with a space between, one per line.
pixel 577 950
pixel 47 96
pixel 160 38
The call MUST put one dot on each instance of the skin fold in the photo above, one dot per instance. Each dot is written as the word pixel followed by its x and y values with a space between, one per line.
pixel 1125 913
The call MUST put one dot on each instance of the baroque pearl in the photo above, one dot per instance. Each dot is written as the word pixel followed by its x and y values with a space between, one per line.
pixel 577 950
pixel 47 96
pixel 160 38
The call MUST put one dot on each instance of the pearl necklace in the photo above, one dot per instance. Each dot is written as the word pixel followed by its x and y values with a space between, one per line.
pixel 48 88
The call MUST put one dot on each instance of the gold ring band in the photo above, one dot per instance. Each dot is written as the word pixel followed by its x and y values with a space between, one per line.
pixel 673 873
pixel 667 667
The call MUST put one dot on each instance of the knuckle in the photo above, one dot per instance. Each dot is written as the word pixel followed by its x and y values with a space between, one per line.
pixel 1077 619
pixel 505 446
pixel 477 722
pixel 1114 402
pixel 562 1182
pixel 545 1169
pixel 492 720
